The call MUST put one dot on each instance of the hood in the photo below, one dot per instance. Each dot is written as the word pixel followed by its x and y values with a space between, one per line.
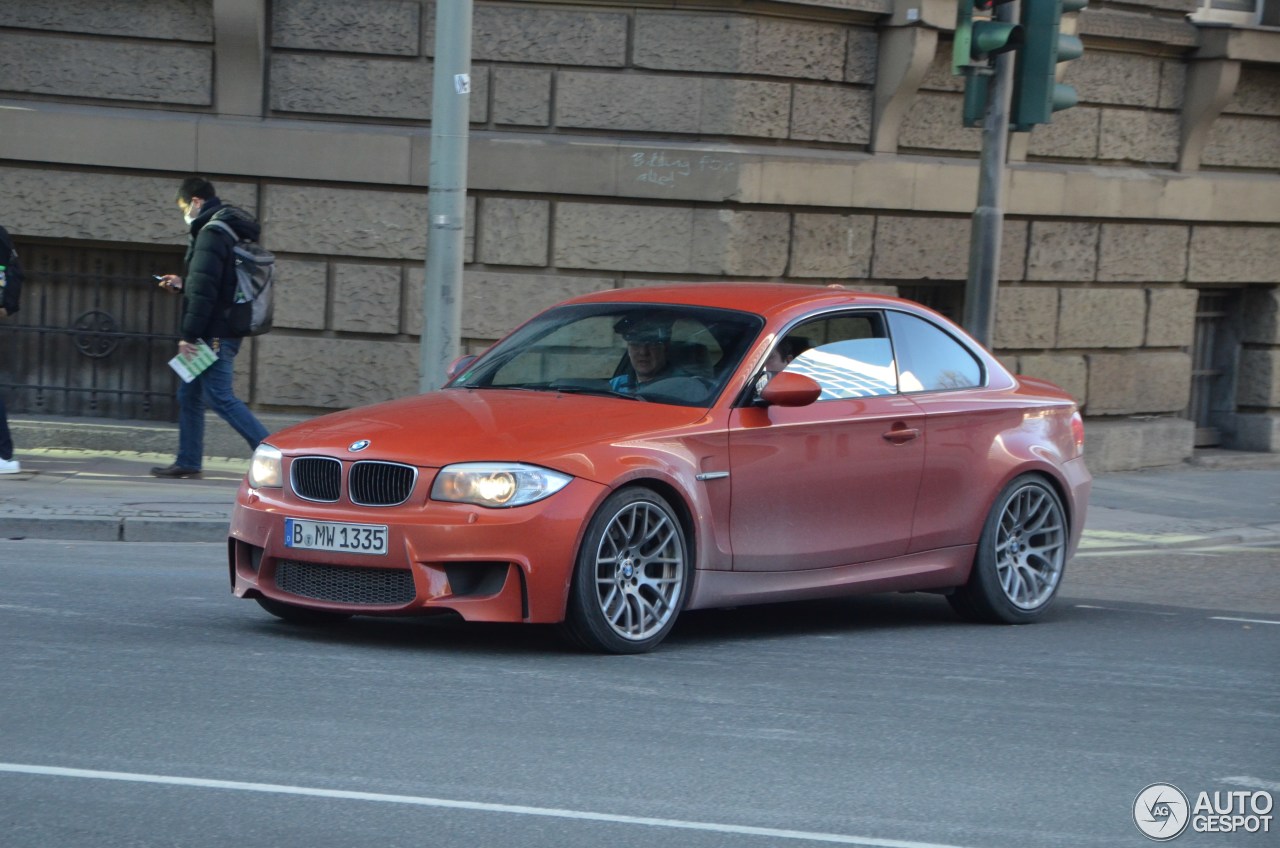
pixel 471 425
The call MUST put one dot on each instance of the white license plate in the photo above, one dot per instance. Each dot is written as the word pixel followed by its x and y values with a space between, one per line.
pixel 335 536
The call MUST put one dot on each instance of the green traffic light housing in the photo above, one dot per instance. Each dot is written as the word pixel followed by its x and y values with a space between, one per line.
pixel 993 37
pixel 1036 92
pixel 979 39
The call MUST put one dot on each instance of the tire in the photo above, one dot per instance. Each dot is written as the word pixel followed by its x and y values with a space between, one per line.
pixel 300 615
pixel 632 575
pixel 1021 556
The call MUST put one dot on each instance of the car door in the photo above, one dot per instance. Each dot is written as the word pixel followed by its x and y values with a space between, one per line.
pixel 965 420
pixel 832 483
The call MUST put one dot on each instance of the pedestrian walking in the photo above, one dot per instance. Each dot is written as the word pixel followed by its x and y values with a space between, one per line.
pixel 208 285
pixel 10 292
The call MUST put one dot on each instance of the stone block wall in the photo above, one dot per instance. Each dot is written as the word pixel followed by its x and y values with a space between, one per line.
pixel 723 73
pixel 176 20
pixel 792 74
pixel 621 144
pixel 87 49
pixel 1246 135
pixel 380 27
pixel 351 266
pixel 1257 424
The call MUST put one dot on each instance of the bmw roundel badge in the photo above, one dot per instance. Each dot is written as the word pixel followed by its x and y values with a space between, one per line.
pixel 359 446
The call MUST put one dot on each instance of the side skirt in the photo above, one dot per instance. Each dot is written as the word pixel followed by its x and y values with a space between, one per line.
pixel 929 570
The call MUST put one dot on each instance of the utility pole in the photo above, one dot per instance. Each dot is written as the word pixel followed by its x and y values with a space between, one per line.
pixel 1003 90
pixel 988 217
pixel 447 193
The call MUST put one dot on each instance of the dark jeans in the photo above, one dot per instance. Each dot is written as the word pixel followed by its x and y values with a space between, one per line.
pixel 6 440
pixel 213 389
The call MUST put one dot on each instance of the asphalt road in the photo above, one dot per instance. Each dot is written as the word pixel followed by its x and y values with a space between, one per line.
pixel 141 705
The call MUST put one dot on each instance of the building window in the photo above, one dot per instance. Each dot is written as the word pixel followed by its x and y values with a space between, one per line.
pixel 1215 355
pixel 94 335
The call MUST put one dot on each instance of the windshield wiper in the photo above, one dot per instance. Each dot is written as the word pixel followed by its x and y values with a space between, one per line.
pixel 591 390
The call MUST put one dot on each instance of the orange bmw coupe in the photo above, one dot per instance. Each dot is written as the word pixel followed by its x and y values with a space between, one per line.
pixel 631 454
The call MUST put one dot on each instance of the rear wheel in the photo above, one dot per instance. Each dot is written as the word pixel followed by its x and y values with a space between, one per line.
pixel 300 615
pixel 631 576
pixel 1021 556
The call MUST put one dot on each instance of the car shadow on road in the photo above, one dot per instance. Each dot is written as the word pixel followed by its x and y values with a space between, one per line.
pixel 836 616
pixel 695 629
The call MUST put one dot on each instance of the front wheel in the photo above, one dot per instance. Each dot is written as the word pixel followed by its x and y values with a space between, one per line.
pixel 631 576
pixel 1021 556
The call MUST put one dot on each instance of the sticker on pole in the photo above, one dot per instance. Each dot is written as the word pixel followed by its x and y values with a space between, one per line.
pixel 462 82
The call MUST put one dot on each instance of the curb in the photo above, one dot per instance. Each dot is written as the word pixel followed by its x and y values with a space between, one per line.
pixel 1238 536
pixel 115 529
pixel 33 432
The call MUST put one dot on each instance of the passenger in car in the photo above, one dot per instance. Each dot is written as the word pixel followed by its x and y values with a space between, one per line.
pixel 785 351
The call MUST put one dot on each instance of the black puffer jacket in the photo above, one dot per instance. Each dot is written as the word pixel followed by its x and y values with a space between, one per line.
pixel 209 282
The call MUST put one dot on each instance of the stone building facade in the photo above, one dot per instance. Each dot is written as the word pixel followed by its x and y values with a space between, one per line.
pixel 627 143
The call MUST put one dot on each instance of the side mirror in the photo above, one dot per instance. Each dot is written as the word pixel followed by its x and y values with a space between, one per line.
pixel 787 388
pixel 459 365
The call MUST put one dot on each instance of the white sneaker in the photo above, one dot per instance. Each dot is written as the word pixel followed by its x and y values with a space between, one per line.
pixel 9 466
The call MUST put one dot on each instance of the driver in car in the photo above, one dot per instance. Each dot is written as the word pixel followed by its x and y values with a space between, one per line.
pixel 647 349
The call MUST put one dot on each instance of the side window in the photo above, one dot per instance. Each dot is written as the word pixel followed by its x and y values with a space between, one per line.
pixel 930 359
pixel 848 354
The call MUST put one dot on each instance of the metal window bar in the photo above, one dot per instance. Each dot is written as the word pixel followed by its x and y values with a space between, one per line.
pixel 94 335
pixel 1212 309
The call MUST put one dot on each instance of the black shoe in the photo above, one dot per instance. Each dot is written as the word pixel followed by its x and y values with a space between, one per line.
pixel 174 470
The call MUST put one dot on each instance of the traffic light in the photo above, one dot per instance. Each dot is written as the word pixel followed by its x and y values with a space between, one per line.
pixel 978 37
pixel 1036 92
pixel 978 40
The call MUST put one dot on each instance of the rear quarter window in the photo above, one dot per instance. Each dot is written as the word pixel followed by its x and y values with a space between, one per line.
pixel 930 359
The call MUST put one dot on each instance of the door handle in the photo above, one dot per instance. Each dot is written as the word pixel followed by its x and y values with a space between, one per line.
pixel 901 435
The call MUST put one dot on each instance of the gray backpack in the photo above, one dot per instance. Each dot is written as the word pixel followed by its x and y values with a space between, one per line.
pixel 252 311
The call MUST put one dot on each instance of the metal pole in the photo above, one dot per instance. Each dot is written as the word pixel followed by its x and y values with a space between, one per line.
pixel 447 194
pixel 988 216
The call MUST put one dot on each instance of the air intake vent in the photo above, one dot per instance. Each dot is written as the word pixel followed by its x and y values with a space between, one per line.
pixel 381 483
pixel 343 584
pixel 317 478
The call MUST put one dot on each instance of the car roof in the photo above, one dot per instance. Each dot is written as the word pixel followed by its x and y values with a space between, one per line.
pixel 760 298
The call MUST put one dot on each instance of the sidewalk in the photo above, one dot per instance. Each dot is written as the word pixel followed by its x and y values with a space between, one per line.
pixel 90 479
pixel 78 494
pixel 1221 498
pixel 111 496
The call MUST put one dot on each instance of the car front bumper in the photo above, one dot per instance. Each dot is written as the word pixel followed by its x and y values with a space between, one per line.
pixel 509 565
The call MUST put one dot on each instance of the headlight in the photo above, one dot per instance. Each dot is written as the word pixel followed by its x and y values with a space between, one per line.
pixel 266 468
pixel 496 484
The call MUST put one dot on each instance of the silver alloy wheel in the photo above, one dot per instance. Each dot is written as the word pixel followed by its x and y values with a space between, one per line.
pixel 1031 546
pixel 639 570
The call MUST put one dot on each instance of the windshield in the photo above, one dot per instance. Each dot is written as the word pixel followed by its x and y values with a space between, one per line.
pixel 662 353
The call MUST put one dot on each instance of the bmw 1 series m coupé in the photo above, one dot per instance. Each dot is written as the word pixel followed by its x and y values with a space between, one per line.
pixel 631 454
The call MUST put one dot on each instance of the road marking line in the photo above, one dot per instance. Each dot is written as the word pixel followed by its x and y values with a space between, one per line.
pixel 415 800
pixel 1244 620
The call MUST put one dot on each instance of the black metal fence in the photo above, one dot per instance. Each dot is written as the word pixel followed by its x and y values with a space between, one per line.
pixel 94 335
